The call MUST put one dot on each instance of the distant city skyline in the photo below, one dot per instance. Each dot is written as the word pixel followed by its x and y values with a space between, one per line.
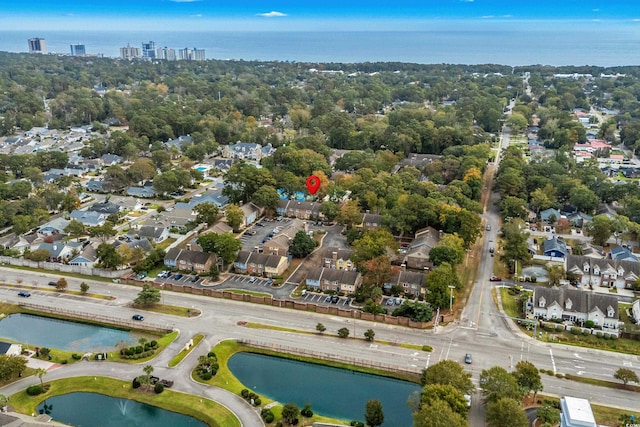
pixel 283 15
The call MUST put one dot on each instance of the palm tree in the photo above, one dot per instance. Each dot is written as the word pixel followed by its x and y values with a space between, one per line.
pixel 41 372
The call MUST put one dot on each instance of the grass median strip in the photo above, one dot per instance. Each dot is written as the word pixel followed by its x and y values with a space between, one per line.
pixel 185 351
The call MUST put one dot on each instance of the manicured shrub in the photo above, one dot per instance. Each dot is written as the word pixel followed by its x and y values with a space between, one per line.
pixel 599 334
pixel 153 343
pixel 212 354
pixel 614 337
pixel 586 333
pixel 139 349
pixel 205 376
pixel 576 331
pixel 76 356
pixel 34 390
pixel 257 401
pixel 559 328
pixel 244 393
pixel 559 375
pixel 356 424
pixel 64 361
pixel 135 383
pixel 269 417
pixel 158 388
pixel 427 348
pixel 589 324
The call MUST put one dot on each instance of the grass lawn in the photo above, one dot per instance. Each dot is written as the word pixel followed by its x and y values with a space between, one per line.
pixel 184 352
pixel 165 244
pixel 205 410
pixel 173 310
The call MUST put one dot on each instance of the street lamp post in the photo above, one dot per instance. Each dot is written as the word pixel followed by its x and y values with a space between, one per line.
pixel 451 288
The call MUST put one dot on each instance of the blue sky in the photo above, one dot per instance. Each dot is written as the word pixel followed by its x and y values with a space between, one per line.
pixel 302 14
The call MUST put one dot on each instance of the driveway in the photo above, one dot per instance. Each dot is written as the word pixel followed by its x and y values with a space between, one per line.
pixel 256 284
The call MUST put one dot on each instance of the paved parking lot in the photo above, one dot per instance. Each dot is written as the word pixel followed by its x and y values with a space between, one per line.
pixel 262 230
pixel 256 284
pixel 321 299
pixel 185 280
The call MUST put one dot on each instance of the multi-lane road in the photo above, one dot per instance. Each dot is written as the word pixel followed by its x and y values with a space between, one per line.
pixel 489 339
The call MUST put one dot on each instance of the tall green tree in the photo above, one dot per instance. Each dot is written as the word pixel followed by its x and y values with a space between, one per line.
pixel 626 375
pixel 446 393
pixel 438 414
pixel 302 245
pixel 148 296
pixel 290 413
pixel 437 284
pixel 207 213
pixel 506 412
pixel 448 372
pixel 234 216
pixel 225 245
pixel 108 256
pixel 497 383
pixel 600 229
pixel 528 377
pixel 374 415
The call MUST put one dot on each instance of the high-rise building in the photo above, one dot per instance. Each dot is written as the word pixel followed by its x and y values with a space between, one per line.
pixel 129 52
pixel 78 50
pixel 37 45
pixel 191 54
pixel 166 53
pixel 149 50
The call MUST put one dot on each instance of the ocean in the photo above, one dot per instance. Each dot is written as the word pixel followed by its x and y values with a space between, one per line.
pixel 547 45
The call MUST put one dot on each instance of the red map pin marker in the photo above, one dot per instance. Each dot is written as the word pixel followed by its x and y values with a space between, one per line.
pixel 313 184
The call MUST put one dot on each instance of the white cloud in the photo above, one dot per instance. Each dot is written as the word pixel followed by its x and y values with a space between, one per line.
pixel 467 1
pixel 198 15
pixel 272 14
pixel 184 1
pixel 595 10
pixel 487 17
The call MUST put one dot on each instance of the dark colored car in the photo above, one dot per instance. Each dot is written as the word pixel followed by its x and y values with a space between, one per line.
pixel 24 294
pixel 53 284
pixel 177 276
pixel 195 279
pixel 335 299
pixel 137 317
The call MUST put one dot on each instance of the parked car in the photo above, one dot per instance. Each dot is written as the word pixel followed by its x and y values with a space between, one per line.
pixel 398 301
pixel 270 282
pixel 142 275
pixel 24 294
pixel 467 397
pixel 195 279
pixel 335 299
pixel 304 292
pixel 53 283
pixel 177 276
pixel 251 232
pixel 390 301
pixel 328 298
pixel 138 317
pixel 495 278
pixel 488 228
pixel 467 358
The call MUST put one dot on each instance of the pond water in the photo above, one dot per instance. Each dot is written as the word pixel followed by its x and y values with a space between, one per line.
pixel 62 334
pixel 535 270
pixel 92 409
pixel 332 392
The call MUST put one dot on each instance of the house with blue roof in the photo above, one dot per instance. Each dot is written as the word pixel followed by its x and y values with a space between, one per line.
pixel 180 142
pixel 88 218
pixel 555 247
pixel 550 215
pixel 95 186
pixel 55 226
pixel 57 250
pixel 620 253
pixel 147 192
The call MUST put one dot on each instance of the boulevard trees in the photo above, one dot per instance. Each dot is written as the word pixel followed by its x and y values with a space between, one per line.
pixel 626 375
pixel 497 383
pixel 148 296
pixel 506 412
pixel 448 372
pixel 528 377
